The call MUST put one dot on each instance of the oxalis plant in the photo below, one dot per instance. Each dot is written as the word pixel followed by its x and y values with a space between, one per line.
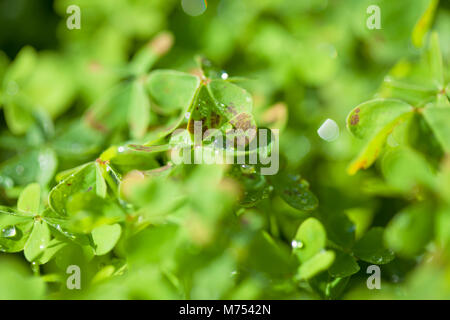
pixel 138 225
pixel 130 202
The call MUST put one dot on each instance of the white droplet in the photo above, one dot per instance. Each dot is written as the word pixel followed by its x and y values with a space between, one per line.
pixel 8 232
pixel 193 7
pixel 296 244
pixel 329 131
pixel 121 149
pixel 187 115
pixel 224 76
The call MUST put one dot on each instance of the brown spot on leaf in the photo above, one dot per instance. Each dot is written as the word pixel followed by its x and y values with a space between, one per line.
pixel 232 109
pixel 215 120
pixel 354 120
pixel 100 161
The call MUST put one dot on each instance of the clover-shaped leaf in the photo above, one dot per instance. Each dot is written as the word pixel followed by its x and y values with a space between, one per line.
pixel 295 191
pixel 318 263
pixel 310 239
pixel 370 247
pixel 410 230
pixel 344 265
pixel 30 199
pixel 438 120
pixel 27 228
pixel 105 238
pixel 172 90
pixel 373 121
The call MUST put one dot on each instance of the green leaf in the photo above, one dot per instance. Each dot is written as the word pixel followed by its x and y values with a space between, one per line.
pixel 373 121
pixel 83 180
pixel 105 238
pixel 340 229
pixel 310 239
pixel 319 263
pixel 172 90
pixel 80 140
pixel 22 65
pixel 87 211
pixel 368 119
pixel 424 23
pixel 396 167
pixel 295 191
pixel 14 233
pixel 18 116
pixel 256 187
pixel 18 283
pixel 133 156
pixel 230 98
pixel 370 247
pixel 48 162
pixel 329 287
pixel 410 230
pixel 29 167
pixel 50 251
pixel 49 86
pixel 221 104
pixel 344 265
pixel 30 199
pixel 435 61
pixel 100 183
pixel 38 241
pixel 139 111
pixel 110 113
pixel 438 120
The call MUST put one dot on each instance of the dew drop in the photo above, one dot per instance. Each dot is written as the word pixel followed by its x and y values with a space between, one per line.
pixel 224 75
pixel 121 149
pixel 194 7
pixel 8 232
pixel 35 267
pixel 296 244
pixel 329 131
pixel 247 169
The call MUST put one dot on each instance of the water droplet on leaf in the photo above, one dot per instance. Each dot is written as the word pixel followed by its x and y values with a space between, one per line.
pixel 329 131
pixel 296 244
pixel 8 232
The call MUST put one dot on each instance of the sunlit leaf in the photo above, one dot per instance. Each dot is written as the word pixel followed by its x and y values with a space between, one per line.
pixel 30 199
pixel 38 241
pixel 105 238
